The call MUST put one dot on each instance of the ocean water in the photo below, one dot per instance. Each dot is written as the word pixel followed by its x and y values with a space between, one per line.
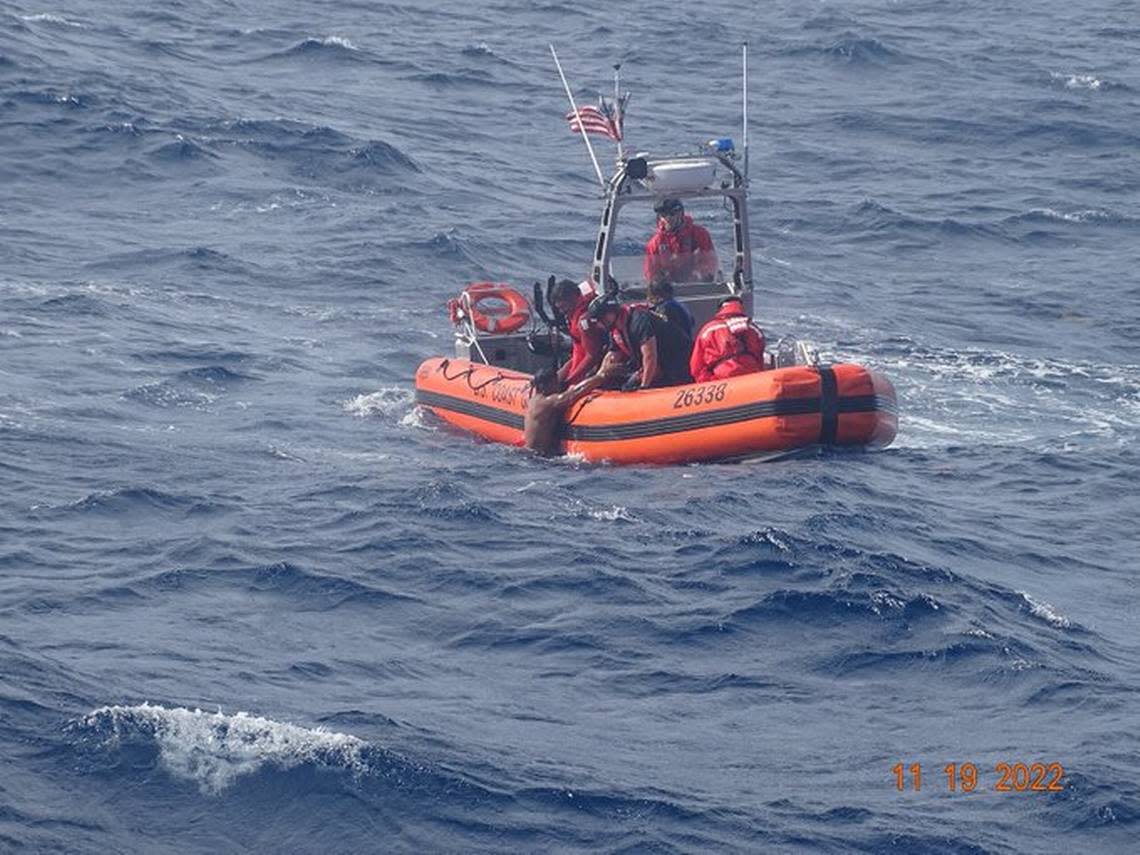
pixel 251 599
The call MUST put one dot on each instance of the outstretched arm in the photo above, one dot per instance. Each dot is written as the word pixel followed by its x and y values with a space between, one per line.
pixel 565 399
pixel 610 366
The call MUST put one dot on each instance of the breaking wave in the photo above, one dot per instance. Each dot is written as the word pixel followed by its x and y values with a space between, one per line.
pixel 325 47
pixel 47 18
pixel 214 749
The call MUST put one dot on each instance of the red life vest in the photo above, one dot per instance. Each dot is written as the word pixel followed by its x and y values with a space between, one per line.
pixel 588 338
pixel 728 345
pixel 619 333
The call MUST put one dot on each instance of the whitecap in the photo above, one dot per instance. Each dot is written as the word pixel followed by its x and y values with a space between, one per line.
pixel 213 749
pixel 47 18
pixel 1079 81
pixel 337 41
pixel 1090 215
pixel 610 513
pixel 1046 612
pixel 885 600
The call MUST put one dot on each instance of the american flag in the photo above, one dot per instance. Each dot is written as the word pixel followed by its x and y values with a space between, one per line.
pixel 603 119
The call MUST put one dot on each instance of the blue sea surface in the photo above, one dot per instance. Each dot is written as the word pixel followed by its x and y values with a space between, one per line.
pixel 253 599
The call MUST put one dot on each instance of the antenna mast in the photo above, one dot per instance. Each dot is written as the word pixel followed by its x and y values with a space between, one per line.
pixel 618 109
pixel 744 64
pixel 578 116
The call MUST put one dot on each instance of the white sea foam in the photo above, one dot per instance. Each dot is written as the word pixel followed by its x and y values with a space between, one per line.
pixel 1020 664
pixel 573 459
pixel 1090 215
pixel 166 396
pixel 966 395
pixel 281 454
pixel 611 513
pixel 213 749
pixel 1045 612
pixel 922 433
pixel 414 418
pixel 1079 81
pixel 47 18
pixel 320 313
pixel 363 456
pixel 387 400
pixel 337 41
pixel 885 600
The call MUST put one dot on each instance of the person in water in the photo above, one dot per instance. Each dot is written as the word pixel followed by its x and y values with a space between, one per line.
pixel 547 406
pixel 588 339
pixel 654 350
pixel 662 301
pixel 680 250
pixel 728 345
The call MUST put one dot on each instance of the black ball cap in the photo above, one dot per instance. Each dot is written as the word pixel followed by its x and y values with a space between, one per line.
pixel 668 206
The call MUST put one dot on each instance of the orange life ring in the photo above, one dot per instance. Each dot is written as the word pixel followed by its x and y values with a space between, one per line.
pixel 518 309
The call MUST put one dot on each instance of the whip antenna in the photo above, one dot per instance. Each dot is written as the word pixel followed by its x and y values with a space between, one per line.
pixel 619 109
pixel 744 99
pixel 578 116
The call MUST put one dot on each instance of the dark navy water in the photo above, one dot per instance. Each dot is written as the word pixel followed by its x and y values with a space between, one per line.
pixel 252 599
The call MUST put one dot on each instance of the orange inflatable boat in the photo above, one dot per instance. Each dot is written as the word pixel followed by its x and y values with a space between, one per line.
pixel 767 414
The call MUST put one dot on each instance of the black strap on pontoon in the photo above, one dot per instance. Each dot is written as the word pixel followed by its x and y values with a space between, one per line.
pixel 828 405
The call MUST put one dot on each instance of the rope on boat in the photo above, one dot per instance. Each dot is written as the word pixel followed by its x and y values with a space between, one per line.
pixel 466 375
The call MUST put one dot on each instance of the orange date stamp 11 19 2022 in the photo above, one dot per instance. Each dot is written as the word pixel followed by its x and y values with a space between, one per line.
pixel 966 778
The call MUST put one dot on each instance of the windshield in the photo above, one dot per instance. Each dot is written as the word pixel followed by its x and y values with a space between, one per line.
pixel 689 244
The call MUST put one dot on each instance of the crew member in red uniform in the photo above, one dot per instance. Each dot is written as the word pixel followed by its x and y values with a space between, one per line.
pixel 728 345
pixel 680 250
pixel 588 337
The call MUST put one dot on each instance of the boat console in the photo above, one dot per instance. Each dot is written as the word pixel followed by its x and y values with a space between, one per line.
pixel 713 191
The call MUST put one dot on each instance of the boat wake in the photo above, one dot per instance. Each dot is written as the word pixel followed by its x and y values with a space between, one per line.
pixel 999 398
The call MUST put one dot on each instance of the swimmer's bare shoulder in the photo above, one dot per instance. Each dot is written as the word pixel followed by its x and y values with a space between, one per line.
pixel 544 412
